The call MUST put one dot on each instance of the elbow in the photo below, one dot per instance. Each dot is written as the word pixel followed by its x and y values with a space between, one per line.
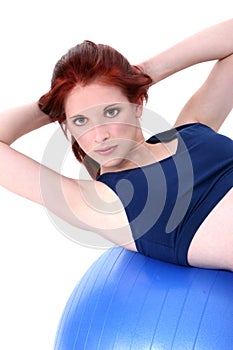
pixel 6 142
pixel 229 56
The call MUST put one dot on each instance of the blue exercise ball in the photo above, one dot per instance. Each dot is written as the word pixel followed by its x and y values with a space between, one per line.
pixel 128 301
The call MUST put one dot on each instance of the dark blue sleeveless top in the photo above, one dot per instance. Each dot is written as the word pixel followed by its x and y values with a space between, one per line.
pixel 167 201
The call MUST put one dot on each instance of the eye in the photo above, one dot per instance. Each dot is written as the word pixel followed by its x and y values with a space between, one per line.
pixel 112 112
pixel 80 121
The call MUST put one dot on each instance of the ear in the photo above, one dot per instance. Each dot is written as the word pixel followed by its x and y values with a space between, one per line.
pixel 139 107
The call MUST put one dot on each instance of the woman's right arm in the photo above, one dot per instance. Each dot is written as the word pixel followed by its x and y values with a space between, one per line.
pixel 21 120
pixel 82 203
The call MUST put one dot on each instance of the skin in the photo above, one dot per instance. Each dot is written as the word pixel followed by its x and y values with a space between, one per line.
pixel 206 249
pixel 108 129
pixel 75 200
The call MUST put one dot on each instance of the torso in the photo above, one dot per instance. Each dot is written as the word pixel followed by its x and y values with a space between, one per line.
pixel 205 249
pixel 211 223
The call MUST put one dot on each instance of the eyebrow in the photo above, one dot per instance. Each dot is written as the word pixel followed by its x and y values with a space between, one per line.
pixel 106 108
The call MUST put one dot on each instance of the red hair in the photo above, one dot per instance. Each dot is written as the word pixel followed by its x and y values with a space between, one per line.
pixel 82 65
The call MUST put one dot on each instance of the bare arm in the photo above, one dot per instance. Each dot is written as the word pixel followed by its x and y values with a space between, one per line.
pixel 21 120
pixel 214 43
pixel 214 100
pixel 89 205
pixel 70 199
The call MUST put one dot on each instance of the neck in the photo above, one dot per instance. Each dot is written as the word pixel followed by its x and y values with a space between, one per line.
pixel 139 155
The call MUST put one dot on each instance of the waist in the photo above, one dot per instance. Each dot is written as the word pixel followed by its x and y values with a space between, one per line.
pixel 197 216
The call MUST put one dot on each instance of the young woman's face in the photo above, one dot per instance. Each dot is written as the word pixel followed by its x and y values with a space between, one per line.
pixel 104 123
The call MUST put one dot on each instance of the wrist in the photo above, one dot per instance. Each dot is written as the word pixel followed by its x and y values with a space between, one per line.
pixel 39 116
pixel 155 68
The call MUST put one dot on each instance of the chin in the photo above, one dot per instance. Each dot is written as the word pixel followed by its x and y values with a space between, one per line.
pixel 113 164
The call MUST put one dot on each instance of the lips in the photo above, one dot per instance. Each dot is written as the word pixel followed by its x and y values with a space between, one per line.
pixel 106 150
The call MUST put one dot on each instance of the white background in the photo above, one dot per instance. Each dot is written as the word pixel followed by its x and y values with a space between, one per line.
pixel 39 267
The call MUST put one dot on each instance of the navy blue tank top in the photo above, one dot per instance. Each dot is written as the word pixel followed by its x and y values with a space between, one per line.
pixel 167 201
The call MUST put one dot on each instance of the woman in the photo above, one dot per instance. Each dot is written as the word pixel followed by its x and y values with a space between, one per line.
pixel 169 197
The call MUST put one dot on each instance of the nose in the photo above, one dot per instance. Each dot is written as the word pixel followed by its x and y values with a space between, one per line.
pixel 101 133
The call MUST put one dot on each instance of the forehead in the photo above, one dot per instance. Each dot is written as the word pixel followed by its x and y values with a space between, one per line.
pixel 82 98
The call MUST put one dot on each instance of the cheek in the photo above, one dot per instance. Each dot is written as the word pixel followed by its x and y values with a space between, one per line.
pixel 123 130
pixel 117 130
pixel 85 141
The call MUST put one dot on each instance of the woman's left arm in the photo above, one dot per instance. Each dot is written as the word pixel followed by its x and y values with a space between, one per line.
pixel 213 101
pixel 213 43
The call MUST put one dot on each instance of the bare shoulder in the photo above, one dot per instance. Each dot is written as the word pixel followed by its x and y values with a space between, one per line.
pixel 89 205
pixel 96 207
